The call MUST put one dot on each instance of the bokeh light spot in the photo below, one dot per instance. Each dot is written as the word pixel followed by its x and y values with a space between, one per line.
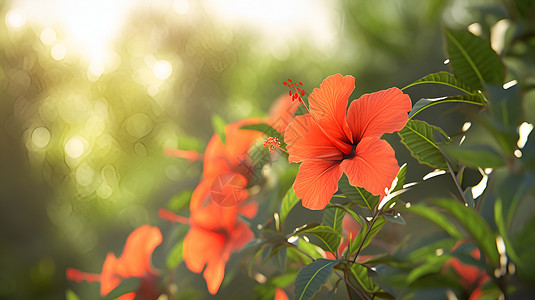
pixel 58 52
pixel 138 125
pixel 84 174
pixel 104 191
pixel 48 36
pixel 74 148
pixel 40 137
pixel 181 6
pixel 15 19
pixel 162 69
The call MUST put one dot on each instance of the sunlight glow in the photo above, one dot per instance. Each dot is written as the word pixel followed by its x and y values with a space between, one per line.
pixel 74 148
pixel 58 52
pixel 482 185
pixel 466 126
pixel 435 173
pixel 40 137
pixel 162 69
pixel 523 132
pixel 181 6
pixel 497 35
pixel 475 29
pixel 280 20
pixel 509 84
pixel 48 36
pixel 15 19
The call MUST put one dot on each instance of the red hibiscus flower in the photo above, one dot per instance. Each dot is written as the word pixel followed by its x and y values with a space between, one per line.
pixel 134 262
pixel 330 141
pixel 215 233
pixel 471 277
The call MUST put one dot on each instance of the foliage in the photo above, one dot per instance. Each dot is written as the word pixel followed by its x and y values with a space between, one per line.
pixel 466 232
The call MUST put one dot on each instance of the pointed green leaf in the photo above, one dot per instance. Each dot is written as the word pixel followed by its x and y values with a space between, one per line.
pixel 433 265
pixel 311 277
pixel 357 195
pixel 419 138
pixel 505 105
pixel 443 78
pixel 360 273
pixel 474 224
pixel 267 130
pixel 472 59
pixel 288 202
pixel 332 217
pixel 361 239
pixel 439 219
pixel 482 156
pixel 175 255
pixel 329 239
pixel 219 126
pixel 426 103
pixel 500 224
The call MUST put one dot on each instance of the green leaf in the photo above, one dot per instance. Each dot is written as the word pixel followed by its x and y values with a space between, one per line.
pixel 357 195
pixel 505 105
pixel 267 130
pixel 472 59
pixel 70 295
pixel 288 202
pixel 179 201
pixel 360 273
pixel 482 156
pixel 426 103
pixel 474 224
pixel 419 138
pixel 444 78
pixel 332 217
pixel 500 224
pixel 311 277
pixel 433 265
pixel 219 126
pixel 175 255
pixel 329 239
pixel 361 239
pixel 437 218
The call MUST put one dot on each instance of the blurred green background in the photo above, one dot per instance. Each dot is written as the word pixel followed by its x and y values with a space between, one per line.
pixel 92 91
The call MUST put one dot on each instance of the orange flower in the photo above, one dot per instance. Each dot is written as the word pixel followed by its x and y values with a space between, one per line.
pixel 227 168
pixel 330 141
pixel 280 294
pixel 471 277
pixel 215 233
pixel 134 262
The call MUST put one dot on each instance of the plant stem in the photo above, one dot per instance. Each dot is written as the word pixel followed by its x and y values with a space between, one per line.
pixel 361 295
pixel 455 180
pixel 366 234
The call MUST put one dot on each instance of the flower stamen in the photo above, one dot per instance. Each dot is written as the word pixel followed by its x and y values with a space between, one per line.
pixel 273 143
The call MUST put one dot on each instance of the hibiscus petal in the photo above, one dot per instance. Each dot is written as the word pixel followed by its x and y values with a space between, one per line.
pixel 228 189
pixel 373 167
pixel 137 253
pixel 282 112
pixel 200 195
pixel 109 278
pixel 214 274
pixel 316 182
pixel 328 104
pixel 305 140
pixel 375 114
pixel 240 236
pixel 200 246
